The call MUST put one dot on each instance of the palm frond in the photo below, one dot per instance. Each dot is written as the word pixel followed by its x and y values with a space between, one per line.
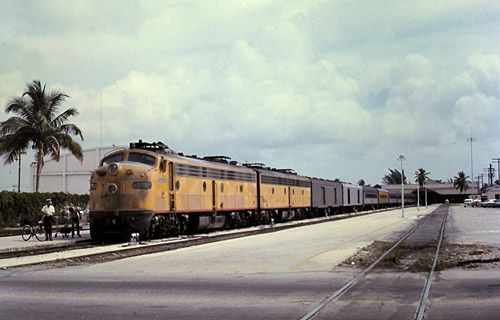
pixel 63 117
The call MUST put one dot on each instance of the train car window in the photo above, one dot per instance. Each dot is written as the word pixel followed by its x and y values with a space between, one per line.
pixel 204 186
pixel 272 190
pixel 241 188
pixel 222 187
pixel 142 158
pixel 285 190
pixel 113 158
pixel 177 185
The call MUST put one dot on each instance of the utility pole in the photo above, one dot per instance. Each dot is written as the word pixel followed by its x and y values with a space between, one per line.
pixel 482 179
pixel 498 166
pixel 478 181
pixel 491 173
pixel 471 163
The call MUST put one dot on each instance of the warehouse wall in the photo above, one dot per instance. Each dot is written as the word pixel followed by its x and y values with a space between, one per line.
pixel 69 174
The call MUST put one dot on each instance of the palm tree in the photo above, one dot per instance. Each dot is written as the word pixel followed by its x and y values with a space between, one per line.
pixel 420 176
pixel 460 181
pixel 38 126
pixel 394 177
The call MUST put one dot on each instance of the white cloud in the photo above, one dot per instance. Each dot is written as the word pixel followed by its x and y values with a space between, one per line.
pixel 332 89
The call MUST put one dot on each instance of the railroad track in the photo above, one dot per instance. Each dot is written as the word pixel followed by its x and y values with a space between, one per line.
pixel 418 235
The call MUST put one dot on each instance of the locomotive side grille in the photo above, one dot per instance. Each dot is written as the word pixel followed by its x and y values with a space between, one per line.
pixel 285 181
pixel 185 170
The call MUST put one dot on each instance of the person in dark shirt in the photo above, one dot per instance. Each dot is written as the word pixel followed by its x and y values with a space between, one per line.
pixel 74 217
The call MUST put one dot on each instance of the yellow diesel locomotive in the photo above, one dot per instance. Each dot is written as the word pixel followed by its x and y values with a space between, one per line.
pixel 151 190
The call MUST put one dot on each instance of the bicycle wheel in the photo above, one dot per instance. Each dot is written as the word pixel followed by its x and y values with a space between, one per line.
pixel 39 233
pixel 26 232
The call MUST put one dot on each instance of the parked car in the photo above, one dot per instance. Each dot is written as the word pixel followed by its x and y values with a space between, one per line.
pixel 488 203
pixel 468 203
pixel 496 204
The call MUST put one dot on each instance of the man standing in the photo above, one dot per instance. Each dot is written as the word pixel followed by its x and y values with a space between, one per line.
pixel 48 218
pixel 74 216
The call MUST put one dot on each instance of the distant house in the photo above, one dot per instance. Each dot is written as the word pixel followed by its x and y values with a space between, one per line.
pixel 69 174
pixel 492 192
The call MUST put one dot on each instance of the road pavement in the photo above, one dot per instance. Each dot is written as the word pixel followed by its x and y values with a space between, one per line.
pixel 280 275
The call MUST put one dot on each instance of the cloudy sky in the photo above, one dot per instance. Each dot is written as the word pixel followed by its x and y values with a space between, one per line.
pixel 334 89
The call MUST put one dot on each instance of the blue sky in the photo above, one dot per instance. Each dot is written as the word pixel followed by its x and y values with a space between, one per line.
pixel 334 89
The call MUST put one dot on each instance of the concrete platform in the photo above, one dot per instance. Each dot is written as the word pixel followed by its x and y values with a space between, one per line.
pixel 16 243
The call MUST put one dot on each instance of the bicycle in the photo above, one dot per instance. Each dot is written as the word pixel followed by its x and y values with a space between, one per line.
pixel 30 231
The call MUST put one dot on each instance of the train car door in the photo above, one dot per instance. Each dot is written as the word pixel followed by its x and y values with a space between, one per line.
pixel 214 201
pixel 162 201
pixel 290 199
pixel 171 187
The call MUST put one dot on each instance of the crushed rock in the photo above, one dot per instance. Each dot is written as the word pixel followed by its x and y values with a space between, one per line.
pixel 419 259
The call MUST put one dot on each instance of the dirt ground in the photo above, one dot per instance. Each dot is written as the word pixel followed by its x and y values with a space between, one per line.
pixel 419 259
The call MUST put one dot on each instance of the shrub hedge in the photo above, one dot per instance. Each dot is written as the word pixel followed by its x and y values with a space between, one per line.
pixel 21 208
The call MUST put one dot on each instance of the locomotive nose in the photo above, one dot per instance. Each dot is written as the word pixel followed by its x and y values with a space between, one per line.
pixel 112 188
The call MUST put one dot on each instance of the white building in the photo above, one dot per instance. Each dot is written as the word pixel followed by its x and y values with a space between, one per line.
pixel 492 192
pixel 69 174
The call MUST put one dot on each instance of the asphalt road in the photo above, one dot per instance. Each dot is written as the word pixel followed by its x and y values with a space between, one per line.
pixel 280 275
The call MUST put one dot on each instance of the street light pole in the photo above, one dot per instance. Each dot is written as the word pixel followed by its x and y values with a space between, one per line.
pixel 402 158
pixel 418 195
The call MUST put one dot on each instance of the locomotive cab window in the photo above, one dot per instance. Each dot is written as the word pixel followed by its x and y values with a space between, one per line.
pixel 142 158
pixel 113 158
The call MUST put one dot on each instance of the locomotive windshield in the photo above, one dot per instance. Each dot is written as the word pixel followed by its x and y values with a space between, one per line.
pixel 132 157
pixel 142 158
pixel 113 158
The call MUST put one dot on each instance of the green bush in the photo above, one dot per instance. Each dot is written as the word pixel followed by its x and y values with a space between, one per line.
pixel 22 208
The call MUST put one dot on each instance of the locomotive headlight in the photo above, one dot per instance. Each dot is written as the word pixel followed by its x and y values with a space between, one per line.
pixel 112 188
pixel 113 169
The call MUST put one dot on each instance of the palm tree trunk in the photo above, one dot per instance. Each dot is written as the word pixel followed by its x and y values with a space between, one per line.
pixel 38 169
pixel 39 166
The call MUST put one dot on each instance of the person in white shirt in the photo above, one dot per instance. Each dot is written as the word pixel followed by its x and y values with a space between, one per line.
pixel 48 218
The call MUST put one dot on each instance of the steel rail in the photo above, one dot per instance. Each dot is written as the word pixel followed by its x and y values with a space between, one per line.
pixel 425 297
pixel 355 280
